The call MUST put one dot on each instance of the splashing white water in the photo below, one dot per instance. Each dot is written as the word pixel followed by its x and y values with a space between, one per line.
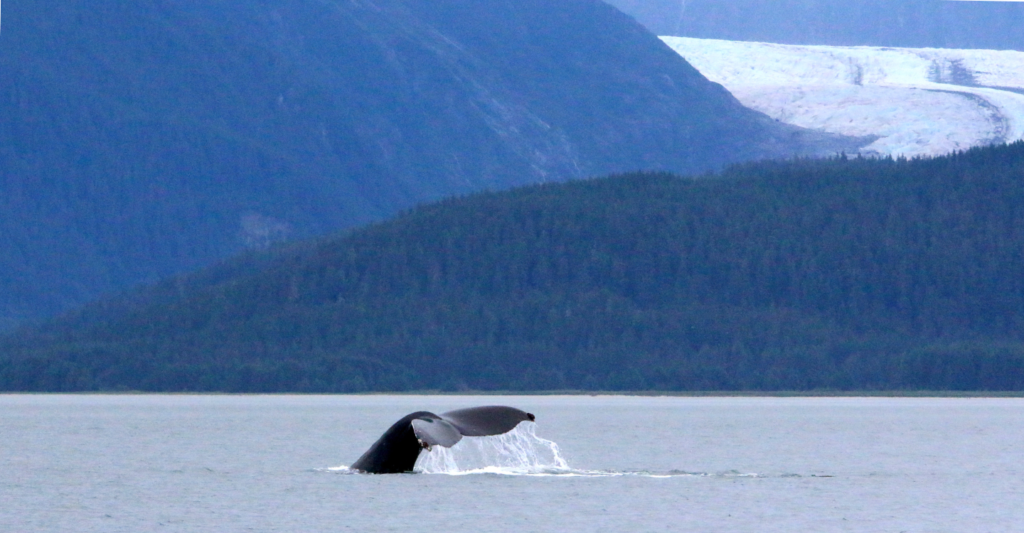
pixel 517 452
pixel 521 452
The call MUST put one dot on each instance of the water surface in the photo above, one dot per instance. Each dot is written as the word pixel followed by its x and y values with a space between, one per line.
pixel 90 463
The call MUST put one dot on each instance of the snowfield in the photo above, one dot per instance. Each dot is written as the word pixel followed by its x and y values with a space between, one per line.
pixel 917 101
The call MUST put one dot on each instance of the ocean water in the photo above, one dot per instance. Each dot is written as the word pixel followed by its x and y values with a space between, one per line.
pixel 95 463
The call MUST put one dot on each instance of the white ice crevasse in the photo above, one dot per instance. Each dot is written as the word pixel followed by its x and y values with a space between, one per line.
pixel 918 101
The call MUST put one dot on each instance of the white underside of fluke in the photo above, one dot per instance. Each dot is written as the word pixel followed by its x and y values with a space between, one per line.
pixel 435 432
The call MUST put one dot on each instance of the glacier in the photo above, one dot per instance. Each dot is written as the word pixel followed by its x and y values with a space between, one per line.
pixel 915 101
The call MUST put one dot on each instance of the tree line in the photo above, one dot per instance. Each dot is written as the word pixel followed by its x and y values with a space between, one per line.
pixel 844 274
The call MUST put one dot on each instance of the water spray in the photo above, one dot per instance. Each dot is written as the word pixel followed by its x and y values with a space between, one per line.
pixel 519 451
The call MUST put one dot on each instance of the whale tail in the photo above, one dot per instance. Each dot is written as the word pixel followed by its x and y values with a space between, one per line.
pixel 398 448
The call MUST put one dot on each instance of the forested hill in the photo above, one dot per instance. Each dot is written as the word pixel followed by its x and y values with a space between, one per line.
pixel 844 274
pixel 142 138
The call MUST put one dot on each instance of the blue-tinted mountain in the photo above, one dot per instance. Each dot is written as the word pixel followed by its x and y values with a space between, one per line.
pixel 143 138
pixel 905 23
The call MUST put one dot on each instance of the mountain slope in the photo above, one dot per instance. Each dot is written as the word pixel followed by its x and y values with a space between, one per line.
pixel 845 274
pixel 904 23
pixel 144 138
pixel 918 101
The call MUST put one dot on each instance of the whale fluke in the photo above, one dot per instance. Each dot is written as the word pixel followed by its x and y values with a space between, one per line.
pixel 397 449
pixel 435 432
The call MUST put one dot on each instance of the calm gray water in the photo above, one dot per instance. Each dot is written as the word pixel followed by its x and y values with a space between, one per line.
pixel 276 463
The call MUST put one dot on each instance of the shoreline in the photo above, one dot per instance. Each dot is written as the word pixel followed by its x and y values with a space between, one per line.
pixel 679 394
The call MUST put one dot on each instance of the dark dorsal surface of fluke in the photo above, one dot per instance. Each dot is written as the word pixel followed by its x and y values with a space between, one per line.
pixel 398 448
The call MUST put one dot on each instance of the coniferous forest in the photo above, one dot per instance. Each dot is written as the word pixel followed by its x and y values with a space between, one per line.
pixel 840 274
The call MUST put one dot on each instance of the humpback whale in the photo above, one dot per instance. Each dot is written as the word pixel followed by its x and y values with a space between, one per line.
pixel 397 449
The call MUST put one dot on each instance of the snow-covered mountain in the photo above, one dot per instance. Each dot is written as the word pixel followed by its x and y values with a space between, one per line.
pixel 918 101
